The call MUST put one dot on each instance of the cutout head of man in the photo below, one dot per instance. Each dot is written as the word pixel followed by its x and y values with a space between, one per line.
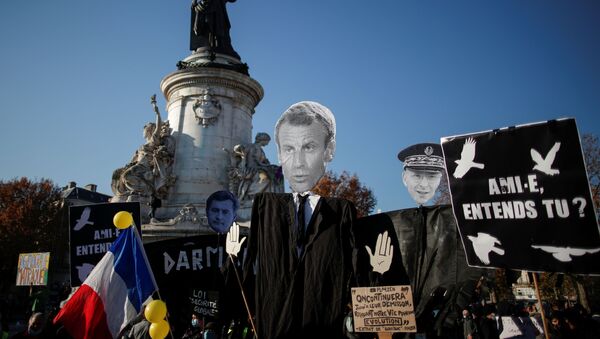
pixel 423 168
pixel 305 136
pixel 221 209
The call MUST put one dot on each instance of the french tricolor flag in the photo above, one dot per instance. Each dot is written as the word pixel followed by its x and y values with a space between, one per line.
pixel 113 293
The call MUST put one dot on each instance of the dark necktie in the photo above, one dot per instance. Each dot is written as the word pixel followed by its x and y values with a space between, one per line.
pixel 301 222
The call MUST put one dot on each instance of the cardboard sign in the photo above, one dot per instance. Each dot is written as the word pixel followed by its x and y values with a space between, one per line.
pixel 32 269
pixel 92 232
pixel 383 309
pixel 522 200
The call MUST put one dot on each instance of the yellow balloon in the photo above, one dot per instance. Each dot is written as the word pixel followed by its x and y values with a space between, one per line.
pixel 159 330
pixel 123 220
pixel 156 311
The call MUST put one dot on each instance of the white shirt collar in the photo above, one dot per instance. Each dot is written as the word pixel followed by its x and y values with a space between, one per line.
pixel 313 199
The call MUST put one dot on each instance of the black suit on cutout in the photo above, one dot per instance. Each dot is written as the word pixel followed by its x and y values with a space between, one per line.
pixel 296 297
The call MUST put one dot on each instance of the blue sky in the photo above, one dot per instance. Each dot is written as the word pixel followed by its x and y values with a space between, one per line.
pixel 76 76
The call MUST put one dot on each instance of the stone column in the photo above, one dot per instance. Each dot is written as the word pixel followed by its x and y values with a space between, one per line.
pixel 210 110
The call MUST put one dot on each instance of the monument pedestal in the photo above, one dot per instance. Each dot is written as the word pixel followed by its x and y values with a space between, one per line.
pixel 210 103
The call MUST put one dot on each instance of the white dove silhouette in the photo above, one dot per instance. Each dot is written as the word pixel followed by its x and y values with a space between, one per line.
pixel 84 270
pixel 544 164
pixel 84 219
pixel 465 163
pixel 564 253
pixel 483 244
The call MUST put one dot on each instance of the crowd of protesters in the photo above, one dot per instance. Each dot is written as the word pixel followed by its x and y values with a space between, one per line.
pixel 563 321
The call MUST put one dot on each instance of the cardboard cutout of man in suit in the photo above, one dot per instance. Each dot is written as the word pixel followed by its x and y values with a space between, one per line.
pixel 302 244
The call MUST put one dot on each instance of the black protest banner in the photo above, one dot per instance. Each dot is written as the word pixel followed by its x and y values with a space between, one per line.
pixel 91 232
pixel 522 199
pixel 370 231
pixel 426 253
pixel 189 275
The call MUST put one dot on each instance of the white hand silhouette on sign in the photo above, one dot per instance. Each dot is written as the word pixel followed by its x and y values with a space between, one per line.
pixel 233 243
pixel 384 251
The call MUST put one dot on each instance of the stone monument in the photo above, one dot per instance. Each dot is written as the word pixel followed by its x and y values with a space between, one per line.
pixel 148 176
pixel 250 172
pixel 206 143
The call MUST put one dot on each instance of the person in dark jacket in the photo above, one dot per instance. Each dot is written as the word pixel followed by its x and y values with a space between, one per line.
pixel 35 328
pixel 194 331
pixel 557 330
pixel 469 326
pixel 488 326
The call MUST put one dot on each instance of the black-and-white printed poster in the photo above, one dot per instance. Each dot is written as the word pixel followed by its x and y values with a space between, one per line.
pixel 522 200
pixel 91 232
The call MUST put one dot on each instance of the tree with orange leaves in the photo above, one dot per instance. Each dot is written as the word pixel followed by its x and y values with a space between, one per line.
pixel 30 221
pixel 591 151
pixel 347 187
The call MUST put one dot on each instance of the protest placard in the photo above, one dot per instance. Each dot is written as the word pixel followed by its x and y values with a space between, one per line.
pixel 193 264
pixel 91 232
pixel 383 309
pixel 32 269
pixel 522 200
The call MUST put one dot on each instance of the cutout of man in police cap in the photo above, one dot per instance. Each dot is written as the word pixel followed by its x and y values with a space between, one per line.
pixel 423 168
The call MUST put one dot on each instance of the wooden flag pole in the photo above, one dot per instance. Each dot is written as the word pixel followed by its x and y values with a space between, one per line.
pixel 537 292
pixel 244 296
pixel 384 335
pixel 141 242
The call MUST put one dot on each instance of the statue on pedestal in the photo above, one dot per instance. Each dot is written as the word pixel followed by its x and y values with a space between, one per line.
pixel 148 175
pixel 251 172
pixel 210 27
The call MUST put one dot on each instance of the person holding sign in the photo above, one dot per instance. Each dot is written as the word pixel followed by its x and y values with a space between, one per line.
pixel 423 168
pixel 302 243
